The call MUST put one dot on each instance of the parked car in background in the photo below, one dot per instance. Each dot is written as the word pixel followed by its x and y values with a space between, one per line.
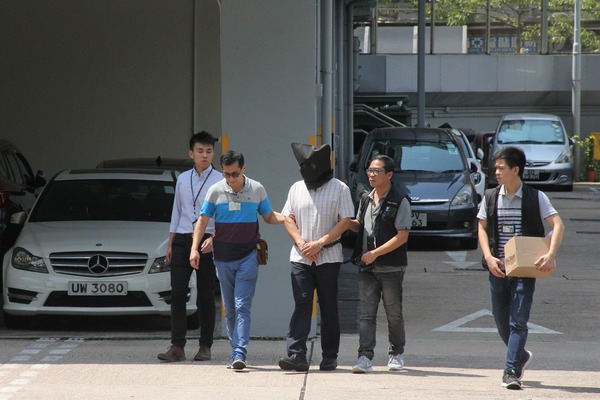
pixel 94 244
pixel 434 170
pixel 19 188
pixel 547 147
pixel 176 164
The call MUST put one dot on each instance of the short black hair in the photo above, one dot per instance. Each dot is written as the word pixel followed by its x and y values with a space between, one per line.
pixel 231 157
pixel 388 163
pixel 202 137
pixel 513 156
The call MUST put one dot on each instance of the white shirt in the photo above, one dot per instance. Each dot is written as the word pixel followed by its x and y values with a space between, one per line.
pixel 190 192
pixel 316 213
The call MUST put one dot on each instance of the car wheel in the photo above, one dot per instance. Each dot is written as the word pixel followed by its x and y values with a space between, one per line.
pixel 469 244
pixel 16 322
pixel 193 321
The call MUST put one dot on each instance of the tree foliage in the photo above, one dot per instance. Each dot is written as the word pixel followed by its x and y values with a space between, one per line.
pixel 524 16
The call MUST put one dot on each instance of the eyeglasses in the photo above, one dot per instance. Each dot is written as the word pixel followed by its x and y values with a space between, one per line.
pixel 234 175
pixel 375 171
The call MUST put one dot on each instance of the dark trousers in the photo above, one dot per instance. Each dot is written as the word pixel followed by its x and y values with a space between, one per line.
pixel 181 272
pixel 305 279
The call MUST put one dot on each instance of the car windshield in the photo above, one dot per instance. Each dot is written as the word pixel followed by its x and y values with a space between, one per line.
pixel 105 200
pixel 531 131
pixel 436 157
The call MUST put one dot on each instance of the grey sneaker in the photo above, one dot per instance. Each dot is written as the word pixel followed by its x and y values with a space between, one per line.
pixel 525 359
pixel 395 363
pixel 510 381
pixel 363 365
pixel 238 363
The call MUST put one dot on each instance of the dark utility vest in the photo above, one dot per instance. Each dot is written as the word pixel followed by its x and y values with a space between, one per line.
pixel 531 222
pixel 383 228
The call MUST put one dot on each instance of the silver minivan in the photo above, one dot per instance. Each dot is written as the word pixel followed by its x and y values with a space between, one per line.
pixel 548 149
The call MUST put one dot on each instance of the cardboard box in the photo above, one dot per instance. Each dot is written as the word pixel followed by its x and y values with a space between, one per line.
pixel 520 254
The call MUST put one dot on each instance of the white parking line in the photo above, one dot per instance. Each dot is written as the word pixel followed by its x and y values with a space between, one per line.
pixel 456 326
pixel 26 355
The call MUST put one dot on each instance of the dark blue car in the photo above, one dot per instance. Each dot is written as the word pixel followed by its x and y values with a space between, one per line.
pixel 431 165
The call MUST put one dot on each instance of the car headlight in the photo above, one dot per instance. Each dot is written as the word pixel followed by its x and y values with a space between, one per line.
pixel 161 264
pixel 564 157
pixel 22 259
pixel 464 196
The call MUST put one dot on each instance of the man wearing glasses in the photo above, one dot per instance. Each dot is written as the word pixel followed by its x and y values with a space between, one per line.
pixel 383 222
pixel 234 203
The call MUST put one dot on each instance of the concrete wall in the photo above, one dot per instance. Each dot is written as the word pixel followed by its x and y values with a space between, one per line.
pixel 268 102
pixel 85 80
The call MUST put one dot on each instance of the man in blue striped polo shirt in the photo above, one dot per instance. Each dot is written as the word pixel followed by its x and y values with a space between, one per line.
pixel 235 204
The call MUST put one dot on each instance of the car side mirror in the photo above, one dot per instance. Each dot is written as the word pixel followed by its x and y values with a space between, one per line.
pixel 18 218
pixel 40 179
pixel 474 167
pixel 480 154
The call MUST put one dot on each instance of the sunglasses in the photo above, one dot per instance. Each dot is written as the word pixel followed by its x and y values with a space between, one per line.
pixel 232 175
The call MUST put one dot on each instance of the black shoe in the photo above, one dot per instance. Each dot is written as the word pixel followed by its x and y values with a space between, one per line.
pixel 525 359
pixel 328 364
pixel 510 380
pixel 295 362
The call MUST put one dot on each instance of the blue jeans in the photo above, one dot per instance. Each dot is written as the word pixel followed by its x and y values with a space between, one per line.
pixel 511 303
pixel 238 283
pixel 371 288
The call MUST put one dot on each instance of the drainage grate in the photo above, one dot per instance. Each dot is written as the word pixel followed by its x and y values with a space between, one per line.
pixel 588 232
pixel 585 219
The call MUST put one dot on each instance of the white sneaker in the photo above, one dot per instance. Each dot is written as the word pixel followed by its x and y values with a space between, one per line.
pixel 363 365
pixel 395 363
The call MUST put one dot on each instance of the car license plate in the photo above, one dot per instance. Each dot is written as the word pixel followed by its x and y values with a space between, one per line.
pixel 419 220
pixel 530 175
pixel 97 288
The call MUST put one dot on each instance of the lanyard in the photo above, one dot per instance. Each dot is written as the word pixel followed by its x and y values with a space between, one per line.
pixel 195 197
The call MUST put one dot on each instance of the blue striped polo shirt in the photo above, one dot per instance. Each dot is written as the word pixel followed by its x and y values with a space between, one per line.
pixel 236 217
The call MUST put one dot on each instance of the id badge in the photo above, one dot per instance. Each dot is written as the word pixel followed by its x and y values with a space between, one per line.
pixel 509 229
pixel 235 206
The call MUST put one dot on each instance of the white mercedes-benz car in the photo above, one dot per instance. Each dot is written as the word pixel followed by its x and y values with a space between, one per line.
pixel 94 244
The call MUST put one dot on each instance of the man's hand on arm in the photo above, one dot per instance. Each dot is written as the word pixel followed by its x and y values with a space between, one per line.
pixel 492 262
pixel 547 262
pixel 274 218
pixel 199 231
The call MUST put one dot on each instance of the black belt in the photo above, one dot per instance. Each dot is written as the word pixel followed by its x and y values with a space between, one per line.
pixel 206 235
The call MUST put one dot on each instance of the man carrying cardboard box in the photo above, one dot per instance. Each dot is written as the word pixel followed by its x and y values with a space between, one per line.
pixel 514 209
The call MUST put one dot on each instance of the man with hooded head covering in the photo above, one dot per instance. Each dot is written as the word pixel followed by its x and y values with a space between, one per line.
pixel 318 210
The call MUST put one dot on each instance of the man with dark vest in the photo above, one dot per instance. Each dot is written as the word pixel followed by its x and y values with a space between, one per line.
pixel 514 209
pixel 383 223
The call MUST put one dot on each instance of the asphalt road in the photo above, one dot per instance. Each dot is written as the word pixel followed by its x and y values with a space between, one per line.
pixel 450 335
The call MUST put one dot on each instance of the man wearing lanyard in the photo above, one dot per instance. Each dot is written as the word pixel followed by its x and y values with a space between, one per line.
pixel 190 191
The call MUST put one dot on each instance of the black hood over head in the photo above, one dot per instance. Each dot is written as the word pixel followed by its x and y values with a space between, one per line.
pixel 315 164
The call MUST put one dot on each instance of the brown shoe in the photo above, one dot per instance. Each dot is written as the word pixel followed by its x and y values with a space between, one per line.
pixel 203 354
pixel 175 353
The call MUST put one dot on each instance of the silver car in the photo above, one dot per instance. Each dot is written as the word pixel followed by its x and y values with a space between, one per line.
pixel 544 140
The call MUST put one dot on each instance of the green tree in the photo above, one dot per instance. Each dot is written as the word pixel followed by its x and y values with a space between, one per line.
pixel 524 16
